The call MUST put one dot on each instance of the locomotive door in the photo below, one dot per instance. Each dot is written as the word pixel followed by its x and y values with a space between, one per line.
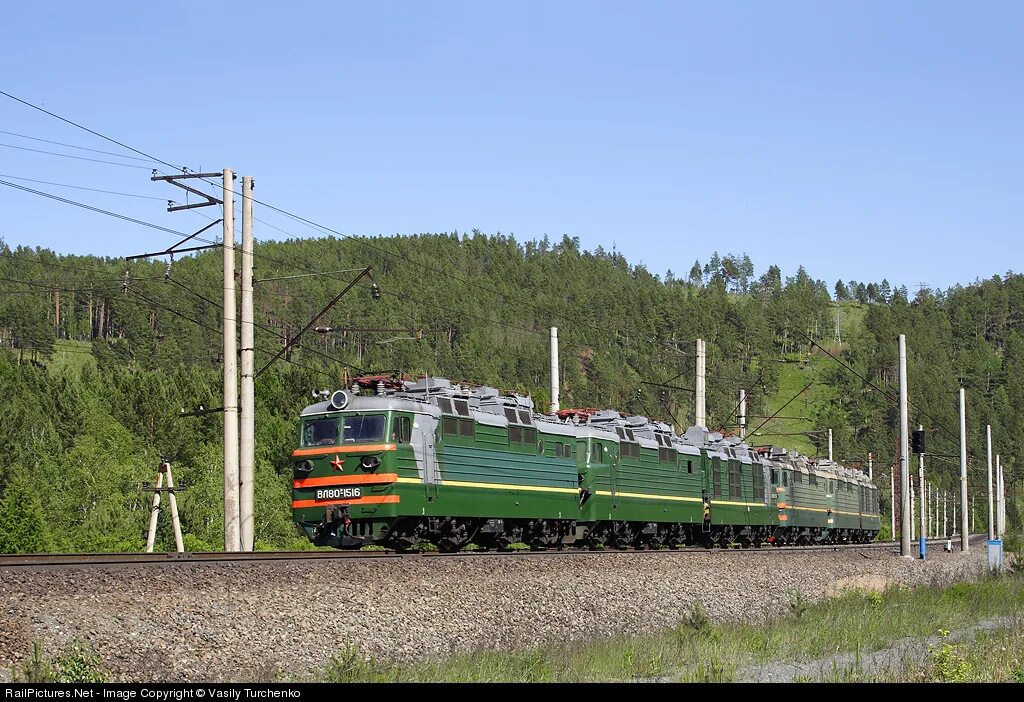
pixel 424 446
pixel 611 457
pixel 831 500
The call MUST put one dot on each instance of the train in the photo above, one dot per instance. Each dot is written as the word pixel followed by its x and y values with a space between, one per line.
pixel 431 463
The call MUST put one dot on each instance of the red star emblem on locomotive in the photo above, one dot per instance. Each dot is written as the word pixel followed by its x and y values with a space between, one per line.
pixel 338 463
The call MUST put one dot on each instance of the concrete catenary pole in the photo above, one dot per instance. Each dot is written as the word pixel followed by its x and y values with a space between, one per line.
pixel 247 417
pixel 991 513
pixel 964 532
pixel 892 506
pixel 871 467
pixel 923 534
pixel 700 416
pixel 905 498
pixel 231 534
pixel 554 370
pixel 830 445
pixel 999 498
pixel 743 414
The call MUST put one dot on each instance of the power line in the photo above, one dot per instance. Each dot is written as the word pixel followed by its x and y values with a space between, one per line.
pixel 72 146
pixel 82 187
pixel 94 209
pixel 77 158
pixel 76 124
pixel 286 213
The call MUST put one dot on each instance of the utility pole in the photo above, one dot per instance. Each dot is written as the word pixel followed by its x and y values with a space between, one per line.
pixel 905 498
pixel 892 500
pixel 991 514
pixel 871 471
pixel 829 445
pixel 743 413
pixel 231 533
pixel 963 474
pixel 247 417
pixel 700 387
pixel 999 498
pixel 554 370
pixel 232 537
pixel 924 503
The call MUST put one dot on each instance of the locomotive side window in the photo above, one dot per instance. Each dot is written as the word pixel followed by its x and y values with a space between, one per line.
pixel 462 407
pixel 320 432
pixel 402 433
pixel 466 427
pixel 595 452
pixel 775 477
pixel 510 414
pixel 689 466
pixel 450 426
pixel 785 479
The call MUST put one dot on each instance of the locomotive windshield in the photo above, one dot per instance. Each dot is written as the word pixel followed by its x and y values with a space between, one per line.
pixel 364 427
pixel 320 432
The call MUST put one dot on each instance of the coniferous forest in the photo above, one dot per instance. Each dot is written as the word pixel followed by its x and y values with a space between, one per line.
pixel 99 358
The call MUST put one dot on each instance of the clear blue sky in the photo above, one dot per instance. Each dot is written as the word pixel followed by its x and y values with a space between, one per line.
pixel 864 140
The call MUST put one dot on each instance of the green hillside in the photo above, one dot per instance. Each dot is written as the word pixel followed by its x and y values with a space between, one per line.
pixel 91 402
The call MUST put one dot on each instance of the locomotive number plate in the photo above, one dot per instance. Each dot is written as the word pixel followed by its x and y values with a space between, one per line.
pixel 352 493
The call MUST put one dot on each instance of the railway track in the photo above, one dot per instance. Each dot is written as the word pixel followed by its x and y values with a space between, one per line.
pixel 58 560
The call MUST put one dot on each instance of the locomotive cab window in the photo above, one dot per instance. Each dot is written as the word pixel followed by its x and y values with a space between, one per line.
pixel 320 432
pixel 361 428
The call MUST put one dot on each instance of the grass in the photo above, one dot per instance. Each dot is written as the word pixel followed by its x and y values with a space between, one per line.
pixel 75 356
pixel 793 376
pixel 699 650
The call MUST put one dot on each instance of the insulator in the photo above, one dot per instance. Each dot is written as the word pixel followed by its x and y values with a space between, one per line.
pixel 375 291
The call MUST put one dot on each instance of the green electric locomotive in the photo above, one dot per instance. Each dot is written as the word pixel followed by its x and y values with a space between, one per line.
pixel 409 463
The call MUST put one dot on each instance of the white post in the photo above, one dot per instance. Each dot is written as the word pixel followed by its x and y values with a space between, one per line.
pixel 906 525
pixel 231 534
pixel 913 522
pixel 892 500
pixel 830 445
pixel 871 470
pixel 945 527
pixel 743 414
pixel 964 531
pixel 924 498
pixel 700 416
pixel 247 418
pixel 952 524
pixel 991 512
pixel 151 537
pixel 175 521
pixel 554 370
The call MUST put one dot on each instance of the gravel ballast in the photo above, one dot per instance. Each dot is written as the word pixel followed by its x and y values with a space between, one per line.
pixel 245 621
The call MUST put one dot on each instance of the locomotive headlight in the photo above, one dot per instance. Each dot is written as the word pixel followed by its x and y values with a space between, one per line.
pixel 303 466
pixel 369 462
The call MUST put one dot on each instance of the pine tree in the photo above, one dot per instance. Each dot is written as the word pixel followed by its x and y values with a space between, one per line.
pixel 23 526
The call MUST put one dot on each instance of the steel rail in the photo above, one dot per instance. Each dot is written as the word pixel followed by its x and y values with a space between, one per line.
pixel 49 560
